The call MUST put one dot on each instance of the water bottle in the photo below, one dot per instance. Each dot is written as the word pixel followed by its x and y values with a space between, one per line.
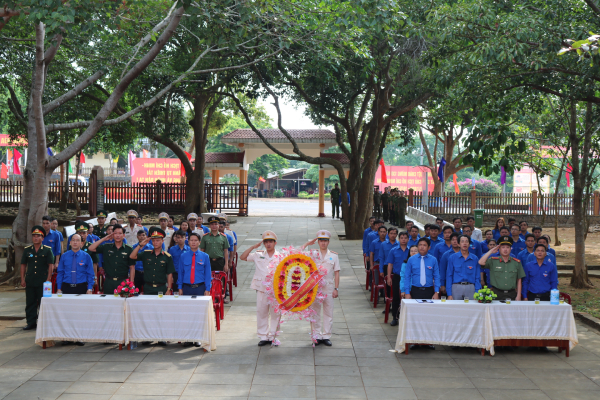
pixel 554 295
pixel 48 289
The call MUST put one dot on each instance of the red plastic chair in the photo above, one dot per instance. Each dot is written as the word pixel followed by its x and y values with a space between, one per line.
pixel 234 270
pixel 53 280
pixel 389 298
pixel 376 287
pixel 224 276
pixel 215 292
pixel 221 277
pixel 566 296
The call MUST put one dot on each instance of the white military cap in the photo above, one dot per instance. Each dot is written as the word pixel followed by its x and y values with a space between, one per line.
pixel 192 216
pixel 222 216
pixel 323 234
pixel 132 213
pixel 269 235
pixel 163 215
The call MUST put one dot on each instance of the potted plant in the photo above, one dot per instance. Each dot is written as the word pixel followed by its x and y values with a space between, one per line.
pixel 485 295
pixel 127 289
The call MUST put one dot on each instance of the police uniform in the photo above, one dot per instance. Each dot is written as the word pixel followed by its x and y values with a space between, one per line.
pixel 265 331
pixel 504 275
pixel 116 264
pixel 199 230
pixel 131 233
pixel 335 202
pixel 402 203
pixel 35 266
pixel 393 208
pixel 157 267
pixel 168 231
pixel 215 246
pixel 321 331
pixel 385 197
pixel 377 203
pixel 100 231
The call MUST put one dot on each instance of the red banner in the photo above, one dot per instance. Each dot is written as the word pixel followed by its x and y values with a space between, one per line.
pixel 150 170
pixel 403 178
pixel 6 142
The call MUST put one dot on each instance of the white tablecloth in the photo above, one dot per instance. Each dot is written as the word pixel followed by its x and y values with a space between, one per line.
pixel 456 323
pixel 84 318
pixel 172 319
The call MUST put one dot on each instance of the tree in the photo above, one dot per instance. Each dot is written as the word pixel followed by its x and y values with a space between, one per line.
pixel 364 79
pixel 505 50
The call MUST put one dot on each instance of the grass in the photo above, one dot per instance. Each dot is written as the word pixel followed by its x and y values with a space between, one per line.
pixel 585 300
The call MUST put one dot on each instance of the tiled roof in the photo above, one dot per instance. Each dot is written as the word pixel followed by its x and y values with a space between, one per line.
pixel 341 157
pixel 224 158
pixel 275 135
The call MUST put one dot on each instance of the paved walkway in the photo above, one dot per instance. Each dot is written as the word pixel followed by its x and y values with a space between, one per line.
pixel 358 366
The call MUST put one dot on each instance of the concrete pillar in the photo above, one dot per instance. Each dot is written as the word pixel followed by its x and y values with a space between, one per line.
pixel 597 202
pixel 321 193
pixel 534 202
pixel 411 197
pixel 243 193
pixel 215 191
pixel 473 200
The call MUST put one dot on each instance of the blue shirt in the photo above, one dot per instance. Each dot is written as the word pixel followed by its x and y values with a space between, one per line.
pixel 475 248
pixel 522 236
pixel 412 242
pixel 551 251
pixel 374 248
pixel 396 257
pixel 549 258
pixel 139 265
pixel 205 229
pixel 176 252
pixel 412 273
pixel 496 233
pixel 440 250
pixel 53 240
pixel 202 272
pixel 434 244
pixel 384 251
pixel 444 265
pixel 540 279
pixel 175 228
pixel 87 239
pixel 462 270
pixel 59 235
pixel 365 243
pixel 84 268
pixel 517 247
pixel 484 246
pixel 523 255
pixel 230 249
pixel 93 238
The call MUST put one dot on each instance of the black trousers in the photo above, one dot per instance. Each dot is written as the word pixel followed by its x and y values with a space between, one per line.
pixel 541 296
pixel 396 293
pixel 505 294
pixel 138 280
pixel 188 290
pixel 79 288
pixel 335 208
pixel 421 292
pixel 33 297
pixel 386 213
pixel 217 264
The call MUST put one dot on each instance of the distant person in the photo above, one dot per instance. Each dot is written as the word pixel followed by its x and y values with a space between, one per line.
pixel 335 201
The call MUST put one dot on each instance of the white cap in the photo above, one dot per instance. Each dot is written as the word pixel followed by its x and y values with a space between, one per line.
pixel 192 216
pixel 269 235
pixel 222 216
pixel 163 215
pixel 132 213
pixel 323 234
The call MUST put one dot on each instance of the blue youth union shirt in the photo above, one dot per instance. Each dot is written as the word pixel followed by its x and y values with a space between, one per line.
pixel 540 279
pixel 202 272
pixel 412 273
pixel 461 269
pixel 397 257
pixel 52 240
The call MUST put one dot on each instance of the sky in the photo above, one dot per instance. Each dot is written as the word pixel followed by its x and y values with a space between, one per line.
pixel 292 114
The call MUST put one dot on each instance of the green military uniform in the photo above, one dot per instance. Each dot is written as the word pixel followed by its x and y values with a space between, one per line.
pixel 504 276
pixel 402 203
pixel 377 203
pixel 335 202
pixel 37 265
pixel 116 263
pixel 100 231
pixel 156 269
pixel 215 246
pixel 394 209
pixel 385 198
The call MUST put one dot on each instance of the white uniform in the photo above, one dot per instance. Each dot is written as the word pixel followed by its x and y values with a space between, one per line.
pixel 331 261
pixel 230 233
pixel 261 262
pixel 476 235
pixel 168 236
pixel 199 231
pixel 131 234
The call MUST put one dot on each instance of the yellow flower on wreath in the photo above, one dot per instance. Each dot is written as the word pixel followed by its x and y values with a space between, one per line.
pixel 283 273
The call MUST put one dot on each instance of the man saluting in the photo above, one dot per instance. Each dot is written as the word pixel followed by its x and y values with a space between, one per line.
pixel 117 264
pixel 158 264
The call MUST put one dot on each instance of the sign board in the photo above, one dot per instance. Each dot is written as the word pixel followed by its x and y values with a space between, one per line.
pixel 6 142
pixel 403 178
pixel 150 170
pixel 525 180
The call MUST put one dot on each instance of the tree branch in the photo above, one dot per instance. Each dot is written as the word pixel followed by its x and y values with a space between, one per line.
pixel 593 6
pixel 52 105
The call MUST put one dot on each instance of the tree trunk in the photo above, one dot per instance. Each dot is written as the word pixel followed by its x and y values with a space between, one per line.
pixel 76 195
pixel 64 200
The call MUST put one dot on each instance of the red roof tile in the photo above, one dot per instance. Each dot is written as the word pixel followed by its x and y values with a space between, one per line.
pixel 275 134
pixel 225 158
pixel 341 157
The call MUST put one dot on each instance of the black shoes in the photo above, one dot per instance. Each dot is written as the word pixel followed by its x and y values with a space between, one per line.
pixel 264 343
pixel 326 342
pixel 162 343
pixel 30 327
pixel 423 346
pixel 79 344
pixel 394 322
pixel 147 343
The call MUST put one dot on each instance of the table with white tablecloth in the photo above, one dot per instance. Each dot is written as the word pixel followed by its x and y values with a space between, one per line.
pixel 456 323
pixel 181 319
pixel 81 318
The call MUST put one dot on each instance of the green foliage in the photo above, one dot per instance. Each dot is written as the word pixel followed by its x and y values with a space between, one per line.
pixel 278 193
pixel 303 195
pixel 481 186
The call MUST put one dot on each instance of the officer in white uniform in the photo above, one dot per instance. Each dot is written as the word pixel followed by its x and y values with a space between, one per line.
pixel 132 229
pixel 266 332
pixel 321 331
pixel 192 218
pixel 163 220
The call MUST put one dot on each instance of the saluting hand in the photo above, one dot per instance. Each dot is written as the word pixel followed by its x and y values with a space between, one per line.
pixel 144 242
pixel 495 249
pixel 257 245
pixel 107 237
pixel 311 242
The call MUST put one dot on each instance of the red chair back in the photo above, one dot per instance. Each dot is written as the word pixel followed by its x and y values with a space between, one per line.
pixel 566 296
pixel 222 277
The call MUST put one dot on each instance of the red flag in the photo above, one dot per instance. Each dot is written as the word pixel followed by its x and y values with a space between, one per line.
pixel 189 156
pixel 456 188
pixel 383 174
pixel 568 174
pixel 16 169
pixel 9 155
pixel 260 178
pixel 4 172
pixel 82 158
pixel 145 154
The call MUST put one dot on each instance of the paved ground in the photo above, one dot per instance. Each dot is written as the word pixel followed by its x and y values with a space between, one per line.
pixel 358 366
pixel 292 207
